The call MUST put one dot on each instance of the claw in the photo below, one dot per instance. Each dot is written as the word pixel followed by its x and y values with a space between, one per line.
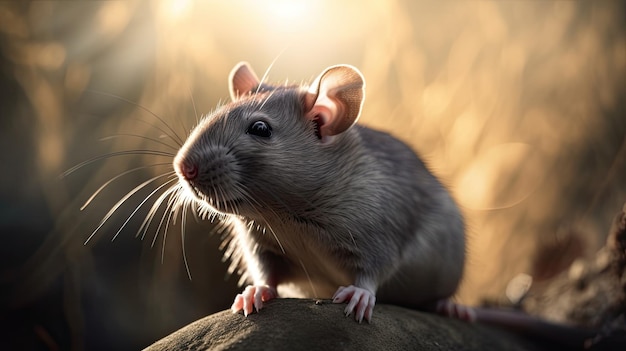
pixel 252 298
pixel 360 301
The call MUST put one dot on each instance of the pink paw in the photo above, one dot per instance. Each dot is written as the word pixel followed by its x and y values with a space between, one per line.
pixel 449 308
pixel 361 299
pixel 252 298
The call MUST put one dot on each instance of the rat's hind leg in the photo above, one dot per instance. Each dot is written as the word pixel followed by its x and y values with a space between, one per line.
pixel 449 308
pixel 252 298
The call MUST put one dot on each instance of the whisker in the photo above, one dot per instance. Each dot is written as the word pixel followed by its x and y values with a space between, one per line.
pixel 177 210
pixel 167 224
pixel 120 202
pixel 193 104
pixel 155 206
pixel 182 125
pixel 174 134
pixel 274 234
pixel 183 221
pixel 194 210
pixel 115 154
pixel 140 136
pixel 163 132
pixel 117 177
pixel 306 272
pixel 141 204
pixel 268 226
pixel 168 207
pixel 267 71
pixel 266 99
pixel 207 212
pixel 249 200
pixel 176 203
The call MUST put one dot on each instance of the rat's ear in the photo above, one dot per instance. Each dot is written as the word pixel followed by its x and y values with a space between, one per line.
pixel 334 100
pixel 241 81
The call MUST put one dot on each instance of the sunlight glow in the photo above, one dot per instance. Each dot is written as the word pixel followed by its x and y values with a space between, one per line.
pixel 289 10
pixel 175 10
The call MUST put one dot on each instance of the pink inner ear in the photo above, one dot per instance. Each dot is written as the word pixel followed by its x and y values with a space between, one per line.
pixel 242 80
pixel 319 116
pixel 326 112
pixel 319 122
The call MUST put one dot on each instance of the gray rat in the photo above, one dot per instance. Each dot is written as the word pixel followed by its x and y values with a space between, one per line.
pixel 318 206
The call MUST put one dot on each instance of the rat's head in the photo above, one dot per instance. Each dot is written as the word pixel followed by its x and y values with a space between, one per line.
pixel 270 141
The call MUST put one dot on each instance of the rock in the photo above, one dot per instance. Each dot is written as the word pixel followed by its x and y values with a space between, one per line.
pixel 305 324
pixel 590 294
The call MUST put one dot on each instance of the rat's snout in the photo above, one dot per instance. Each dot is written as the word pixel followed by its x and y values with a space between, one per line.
pixel 185 167
pixel 189 171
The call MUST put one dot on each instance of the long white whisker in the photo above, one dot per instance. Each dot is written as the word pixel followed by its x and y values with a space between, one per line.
pixel 173 212
pixel 308 277
pixel 183 221
pixel 268 226
pixel 177 211
pixel 115 154
pixel 120 202
pixel 168 207
pixel 267 71
pixel 194 210
pixel 193 104
pixel 155 207
pixel 173 133
pixel 117 177
pixel 163 132
pixel 141 137
pixel 266 99
pixel 249 200
pixel 141 204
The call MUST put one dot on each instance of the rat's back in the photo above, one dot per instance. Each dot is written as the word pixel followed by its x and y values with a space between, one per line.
pixel 431 256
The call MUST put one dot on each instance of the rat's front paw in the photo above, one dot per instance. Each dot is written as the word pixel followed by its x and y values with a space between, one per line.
pixel 363 299
pixel 252 298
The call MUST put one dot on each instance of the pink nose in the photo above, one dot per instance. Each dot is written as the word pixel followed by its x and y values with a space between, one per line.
pixel 188 170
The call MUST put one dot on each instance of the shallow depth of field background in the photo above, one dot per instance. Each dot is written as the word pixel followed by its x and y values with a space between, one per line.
pixel 518 106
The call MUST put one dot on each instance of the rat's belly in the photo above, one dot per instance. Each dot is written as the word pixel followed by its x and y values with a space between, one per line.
pixel 314 275
pixel 304 289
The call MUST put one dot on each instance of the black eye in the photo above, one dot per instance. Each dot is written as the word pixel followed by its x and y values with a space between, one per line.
pixel 260 128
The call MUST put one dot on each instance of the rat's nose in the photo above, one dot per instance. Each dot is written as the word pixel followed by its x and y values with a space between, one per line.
pixel 189 171
pixel 186 168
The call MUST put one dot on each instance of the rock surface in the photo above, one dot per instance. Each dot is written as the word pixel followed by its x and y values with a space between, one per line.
pixel 304 324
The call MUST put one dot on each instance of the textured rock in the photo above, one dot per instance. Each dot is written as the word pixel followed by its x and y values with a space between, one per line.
pixel 302 324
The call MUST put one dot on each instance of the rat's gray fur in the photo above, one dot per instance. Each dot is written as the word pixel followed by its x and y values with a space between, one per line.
pixel 362 209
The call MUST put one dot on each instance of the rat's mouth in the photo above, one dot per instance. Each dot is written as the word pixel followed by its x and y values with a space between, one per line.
pixel 191 191
pixel 218 203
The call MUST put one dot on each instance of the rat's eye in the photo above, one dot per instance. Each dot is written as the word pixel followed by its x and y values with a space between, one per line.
pixel 260 128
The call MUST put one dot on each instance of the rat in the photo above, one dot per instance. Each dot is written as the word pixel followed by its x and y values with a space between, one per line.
pixel 320 206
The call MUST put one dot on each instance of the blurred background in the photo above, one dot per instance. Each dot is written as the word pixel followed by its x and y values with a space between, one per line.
pixel 518 106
